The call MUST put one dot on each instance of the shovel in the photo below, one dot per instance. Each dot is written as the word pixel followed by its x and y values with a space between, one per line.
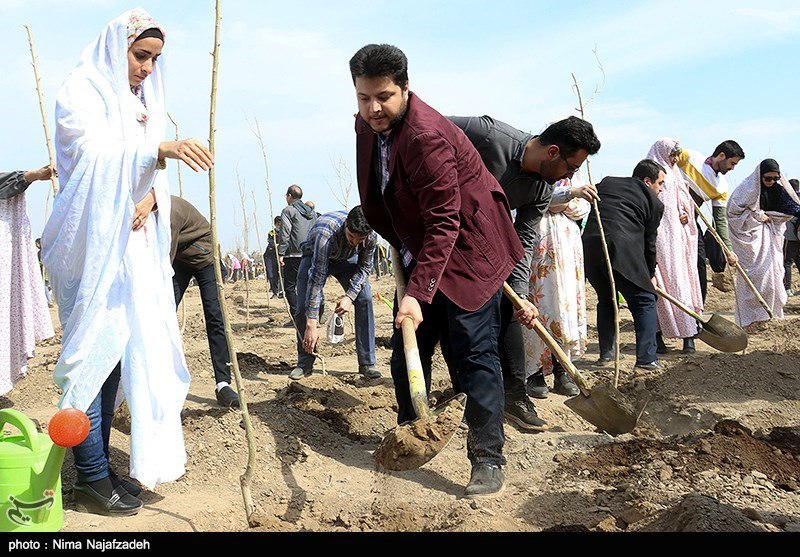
pixel 412 444
pixel 717 332
pixel 604 406
pixel 739 268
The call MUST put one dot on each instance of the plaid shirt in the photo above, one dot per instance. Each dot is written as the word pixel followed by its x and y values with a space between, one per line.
pixel 327 243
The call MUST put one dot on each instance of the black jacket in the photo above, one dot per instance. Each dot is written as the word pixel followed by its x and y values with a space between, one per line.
pixel 500 147
pixel 631 213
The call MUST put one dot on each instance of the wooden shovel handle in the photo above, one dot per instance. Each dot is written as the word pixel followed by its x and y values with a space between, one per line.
pixel 416 376
pixel 738 267
pixel 680 306
pixel 551 343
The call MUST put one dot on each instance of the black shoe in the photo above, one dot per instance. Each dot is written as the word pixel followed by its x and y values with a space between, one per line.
pixel 661 348
pixel 121 503
pixel 688 346
pixel 370 372
pixel 227 397
pixel 605 360
pixel 127 485
pixel 522 413
pixel 485 479
pixel 536 386
pixel 288 325
pixel 564 385
pixel 652 366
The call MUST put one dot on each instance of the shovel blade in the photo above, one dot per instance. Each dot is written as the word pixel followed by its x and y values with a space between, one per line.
pixel 724 335
pixel 412 444
pixel 605 408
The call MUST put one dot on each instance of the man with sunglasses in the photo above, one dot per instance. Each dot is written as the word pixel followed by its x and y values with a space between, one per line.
pixel 527 167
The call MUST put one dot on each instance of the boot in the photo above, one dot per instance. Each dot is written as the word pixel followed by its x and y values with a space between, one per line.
pixel 688 346
pixel 661 348
pixel 536 386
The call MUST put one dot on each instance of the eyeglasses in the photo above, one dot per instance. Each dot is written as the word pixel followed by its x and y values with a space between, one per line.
pixel 572 169
pixel 771 178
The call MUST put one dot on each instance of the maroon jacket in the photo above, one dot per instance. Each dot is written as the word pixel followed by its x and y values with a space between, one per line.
pixel 442 204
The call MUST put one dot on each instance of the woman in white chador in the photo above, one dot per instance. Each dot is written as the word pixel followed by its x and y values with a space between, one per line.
pixel 106 247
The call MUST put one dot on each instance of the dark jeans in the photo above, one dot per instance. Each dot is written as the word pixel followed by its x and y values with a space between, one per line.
pixel 290 267
pixel 343 271
pixel 642 305
pixel 791 254
pixel 272 275
pixel 702 269
pixel 473 339
pixel 215 326
pixel 91 456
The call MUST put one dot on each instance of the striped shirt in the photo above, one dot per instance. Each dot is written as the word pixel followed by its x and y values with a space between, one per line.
pixel 327 244
pixel 384 155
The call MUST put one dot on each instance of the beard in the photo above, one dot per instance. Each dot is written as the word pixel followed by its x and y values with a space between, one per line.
pixel 394 122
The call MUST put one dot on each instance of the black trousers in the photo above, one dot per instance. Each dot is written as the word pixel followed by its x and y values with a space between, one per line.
pixel 471 340
pixel 702 269
pixel 791 255
pixel 290 268
pixel 215 327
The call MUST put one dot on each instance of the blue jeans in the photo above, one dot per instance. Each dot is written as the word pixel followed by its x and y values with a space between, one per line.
pixel 642 305
pixel 469 339
pixel 362 305
pixel 91 456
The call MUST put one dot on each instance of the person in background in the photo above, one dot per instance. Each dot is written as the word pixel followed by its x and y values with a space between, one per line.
pixel 557 286
pixel 297 219
pixel 271 260
pixel 340 245
pixel 677 247
pixel 791 250
pixel 24 318
pixel 192 257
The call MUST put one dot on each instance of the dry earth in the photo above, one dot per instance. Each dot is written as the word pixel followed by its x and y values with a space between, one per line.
pixel 718 448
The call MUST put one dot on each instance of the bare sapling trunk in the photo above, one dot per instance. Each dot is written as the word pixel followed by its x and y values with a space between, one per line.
pixel 246 478
pixel 614 301
pixel 47 140
pixel 180 192
pixel 246 232
pixel 260 245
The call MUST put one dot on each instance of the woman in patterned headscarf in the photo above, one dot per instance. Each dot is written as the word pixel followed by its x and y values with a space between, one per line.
pixel 676 249
pixel 106 247
pixel 758 212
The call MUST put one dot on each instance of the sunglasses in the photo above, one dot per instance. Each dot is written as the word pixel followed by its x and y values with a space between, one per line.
pixel 771 178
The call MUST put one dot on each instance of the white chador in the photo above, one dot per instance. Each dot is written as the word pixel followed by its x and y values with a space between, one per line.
pixel 114 285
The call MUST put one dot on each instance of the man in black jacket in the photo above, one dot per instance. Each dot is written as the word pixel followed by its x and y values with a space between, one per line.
pixel 527 167
pixel 630 212
pixel 192 257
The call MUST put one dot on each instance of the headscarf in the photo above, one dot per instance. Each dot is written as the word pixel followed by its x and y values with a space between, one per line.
pixel 771 197
pixel 748 195
pixel 141 25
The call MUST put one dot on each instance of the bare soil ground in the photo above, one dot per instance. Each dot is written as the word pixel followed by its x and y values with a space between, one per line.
pixel 718 448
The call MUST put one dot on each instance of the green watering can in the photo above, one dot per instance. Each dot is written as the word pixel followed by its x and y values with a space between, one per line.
pixel 30 469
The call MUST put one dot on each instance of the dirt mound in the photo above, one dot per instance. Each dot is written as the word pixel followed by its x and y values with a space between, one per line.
pixel 699 513
pixel 731 448
pixel 250 365
pixel 361 414
pixel 777 334
pixel 732 378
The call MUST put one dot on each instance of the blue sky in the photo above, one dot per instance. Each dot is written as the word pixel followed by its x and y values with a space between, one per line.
pixel 701 72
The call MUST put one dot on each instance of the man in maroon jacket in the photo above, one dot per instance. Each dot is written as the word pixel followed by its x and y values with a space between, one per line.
pixel 424 188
